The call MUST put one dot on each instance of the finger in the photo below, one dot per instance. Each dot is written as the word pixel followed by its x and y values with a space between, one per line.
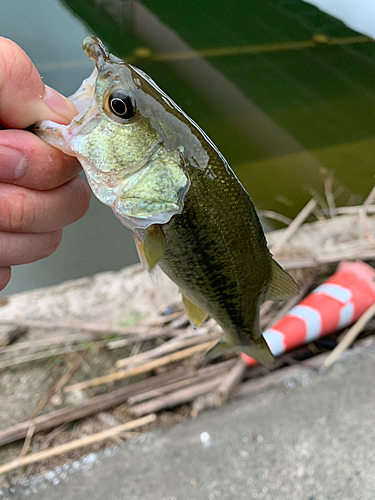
pixel 28 161
pixel 19 248
pixel 4 277
pixel 27 211
pixel 24 99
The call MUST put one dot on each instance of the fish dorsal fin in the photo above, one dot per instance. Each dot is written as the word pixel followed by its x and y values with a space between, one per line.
pixel 283 286
pixel 152 248
pixel 195 314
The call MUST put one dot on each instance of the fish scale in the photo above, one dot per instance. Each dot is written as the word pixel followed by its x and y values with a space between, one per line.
pixel 219 281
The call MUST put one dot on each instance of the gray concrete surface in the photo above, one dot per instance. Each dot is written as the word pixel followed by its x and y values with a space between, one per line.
pixel 310 439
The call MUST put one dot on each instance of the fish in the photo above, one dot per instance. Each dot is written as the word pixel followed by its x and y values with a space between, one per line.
pixel 169 184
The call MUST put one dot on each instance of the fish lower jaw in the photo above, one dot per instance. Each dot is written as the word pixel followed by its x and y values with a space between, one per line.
pixel 54 134
pixel 110 195
pixel 134 223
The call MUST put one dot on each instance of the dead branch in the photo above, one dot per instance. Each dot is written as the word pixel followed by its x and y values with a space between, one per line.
pixel 185 340
pixel 90 406
pixel 33 345
pixel 40 356
pixel 74 445
pixel 329 194
pixel 63 380
pixel 292 228
pixel 359 250
pixel 151 335
pixel 202 374
pixel 349 338
pixel 175 398
pixel 349 210
pixel 99 330
pixel 147 367
pixel 365 224
pixel 269 214
pixel 163 319
pixel 370 198
pixel 231 381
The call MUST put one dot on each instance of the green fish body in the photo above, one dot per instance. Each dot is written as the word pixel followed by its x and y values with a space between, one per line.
pixel 167 182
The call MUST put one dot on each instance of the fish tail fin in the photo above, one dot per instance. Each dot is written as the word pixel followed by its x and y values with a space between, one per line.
pixel 258 350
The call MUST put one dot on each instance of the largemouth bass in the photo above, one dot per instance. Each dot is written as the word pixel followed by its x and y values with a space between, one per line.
pixel 166 181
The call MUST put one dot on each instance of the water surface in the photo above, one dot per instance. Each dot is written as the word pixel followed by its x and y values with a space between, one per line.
pixel 284 90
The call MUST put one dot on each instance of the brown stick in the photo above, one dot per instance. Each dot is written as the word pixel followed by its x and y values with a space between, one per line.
pixel 84 327
pixel 349 338
pixel 64 379
pixel 329 193
pixel 275 378
pixel 74 445
pixel 32 345
pixel 147 367
pixel 26 444
pixel 365 224
pixel 350 210
pixel 272 379
pixel 269 214
pixel 362 251
pixel 90 406
pixel 79 348
pixel 280 376
pixel 152 334
pixel 173 345
pixel 40 356
pixel 175 398
pixel 231 381
pixel 203 374
pixel 370 198
pixel 57 387
pixel 292 228
pixel 163 320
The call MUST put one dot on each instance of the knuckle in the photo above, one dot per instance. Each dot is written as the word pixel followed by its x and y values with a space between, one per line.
pixel 3 247
pixel 20 213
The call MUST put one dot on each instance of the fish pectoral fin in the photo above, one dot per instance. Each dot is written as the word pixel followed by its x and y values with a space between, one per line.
pixel 195 314
pixel 283 286
pixel 152 248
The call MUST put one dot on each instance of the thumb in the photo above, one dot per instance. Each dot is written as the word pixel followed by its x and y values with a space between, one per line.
pixel 24 99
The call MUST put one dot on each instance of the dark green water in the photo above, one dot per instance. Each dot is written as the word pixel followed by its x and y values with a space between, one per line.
pixel 284 90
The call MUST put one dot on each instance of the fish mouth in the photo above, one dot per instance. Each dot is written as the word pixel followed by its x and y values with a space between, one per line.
pixel 83 97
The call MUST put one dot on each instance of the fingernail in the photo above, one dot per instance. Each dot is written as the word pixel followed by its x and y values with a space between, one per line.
pixel 59 104
pixel 12 164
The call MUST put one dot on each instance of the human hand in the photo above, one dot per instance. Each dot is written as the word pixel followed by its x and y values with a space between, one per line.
pixel 40 189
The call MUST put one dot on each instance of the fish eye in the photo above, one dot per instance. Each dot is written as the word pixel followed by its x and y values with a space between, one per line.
pixel 121 105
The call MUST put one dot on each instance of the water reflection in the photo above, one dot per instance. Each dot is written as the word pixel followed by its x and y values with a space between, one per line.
pixel 284 90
